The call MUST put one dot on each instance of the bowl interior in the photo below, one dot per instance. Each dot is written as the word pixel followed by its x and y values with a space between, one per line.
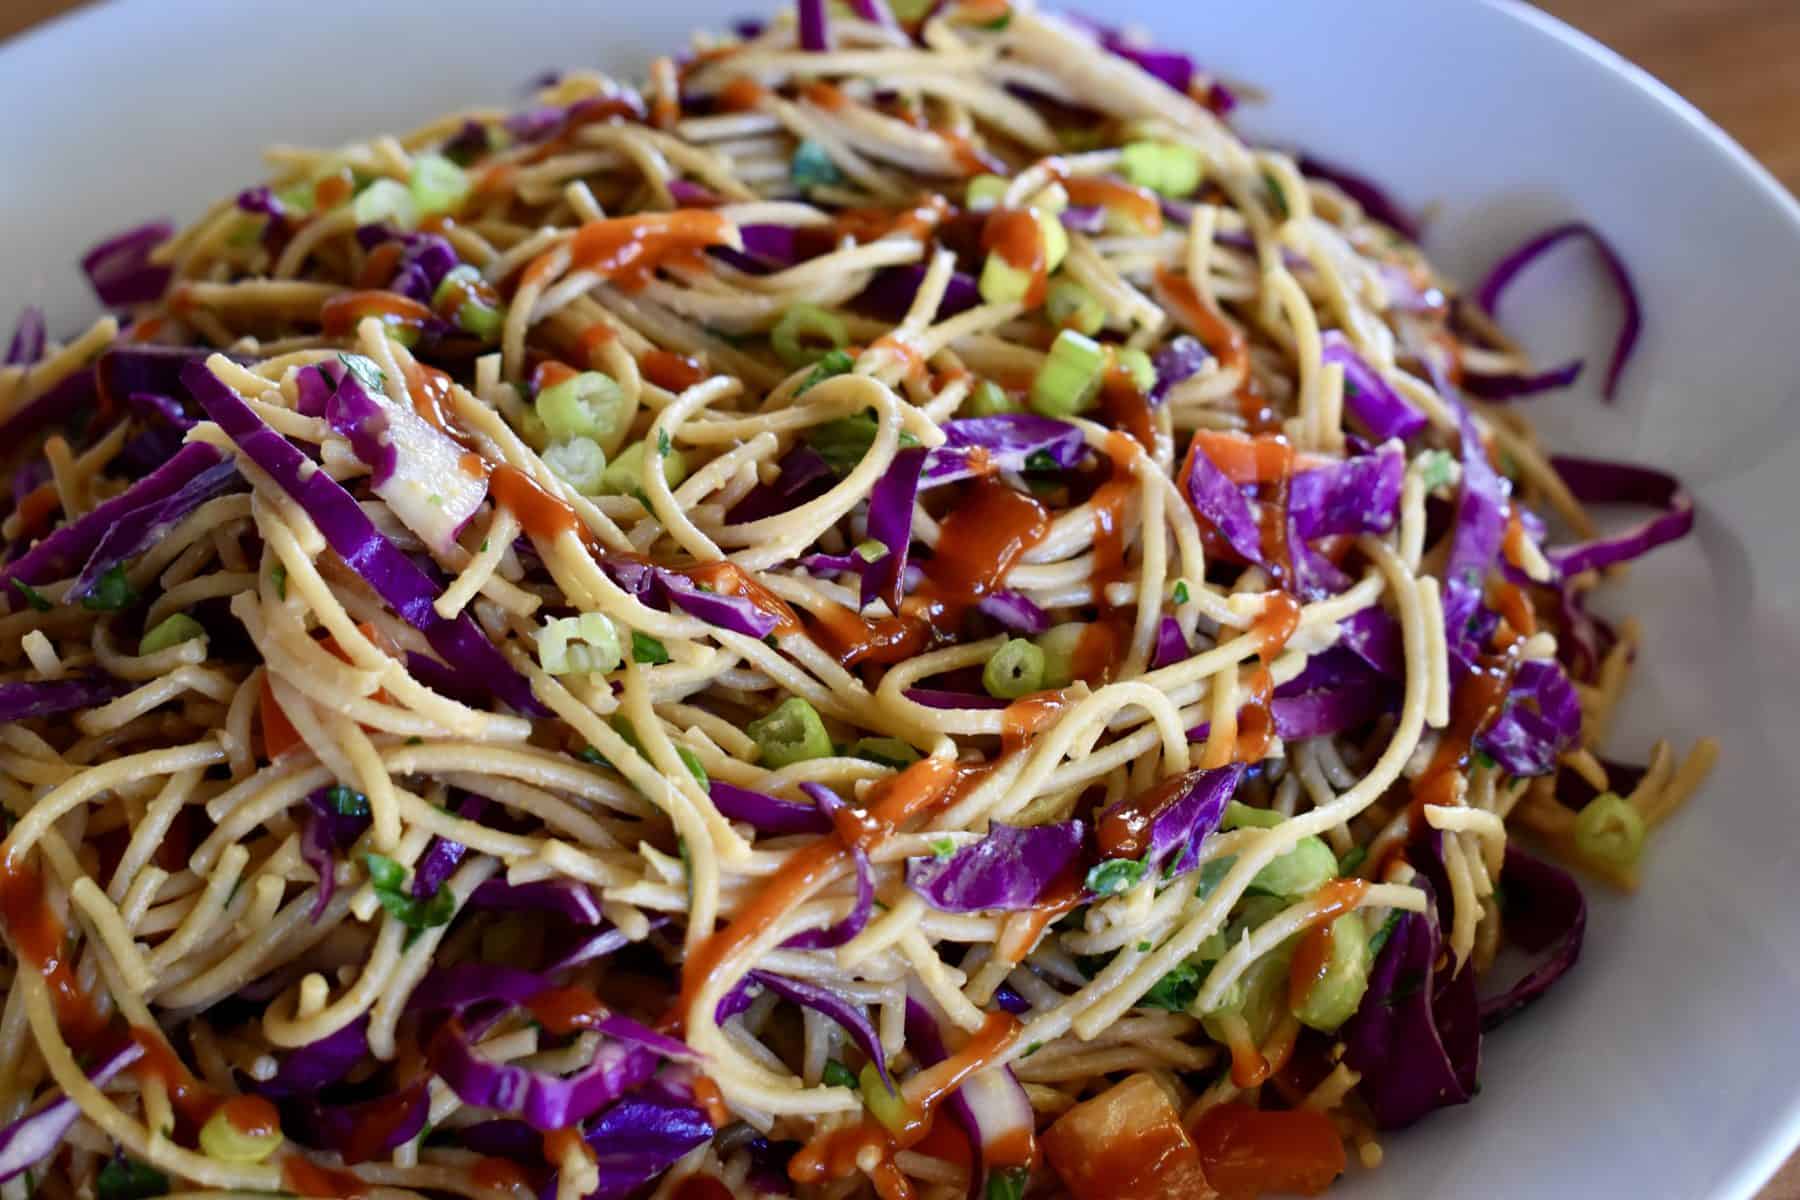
pixel 1661 1066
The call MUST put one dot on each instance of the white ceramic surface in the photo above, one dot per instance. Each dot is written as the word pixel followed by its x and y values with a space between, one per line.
pixel 1666 1065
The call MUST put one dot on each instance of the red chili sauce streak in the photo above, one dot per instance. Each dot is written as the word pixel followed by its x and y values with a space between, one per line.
pixel 742 94
pixel 1014 235
pixel 701 1187
pixel 378 1127
pixel 1028 716
pixel 563 1010
pixel 1125 407
pixel 590 341
pixel 972 159
pixel 305 1178
pixel 37 936
pixel 836 1155
pixel 1137 205
pixel 987 532
pixel 1312 958
pixel 500 1174
pixel 1226 342
pixel 671 371
pixel 628 250
pixel 892 802
pixel 339 316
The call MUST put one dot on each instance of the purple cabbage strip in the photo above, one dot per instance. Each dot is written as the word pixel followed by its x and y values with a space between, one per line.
pixel 891 503
pixel 767 813
pixel 1416 1037
pixel 662 589
pixel 890 294
pixel 120 270
pixel 27 345
pixel 1007 442
pixel 308 1068
pixel 1189 813
pixel 63 551
pixel 355 416
pixel 639 1138
pixel 139 529
pixel 401 582
pixel 441 857
pixel 1489 293
pixel 1084 218
pixel 991 1106
pixel 876 12
pixel 1596 480
pixel 1546 915
pixel 35 1136
pixel 1357 495
pixel 542 1100
pixel 323 1126
pixel 815 33
pixel 853 922
pixel 1010 869
pixel 565 897
pixel 1219 500
pixel 1475 542
pixel 1179 360
pixel 942 698
pixel 1171 647
pixel 1015 611
pixel 803 475
pixel 1373 635
pixel 1512 387
pixel 1540 719
pixel 822 1000
pixel 1368 396
pixel 1373 198
pixel 65 398
pixel 21 700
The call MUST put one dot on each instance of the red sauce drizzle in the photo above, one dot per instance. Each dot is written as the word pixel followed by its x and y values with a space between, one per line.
pixel 1138 205
pixel 1125 407
pixel 701 1187
pixel 37 936
pixel 1014 235
pixel 628 250
pixel 1225 340
pixel 674 372
pixel 501 1174
pixel 338 316
pixel 1312 958
pixel 742 94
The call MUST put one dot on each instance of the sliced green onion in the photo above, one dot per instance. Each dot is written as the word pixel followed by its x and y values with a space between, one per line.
pixel 386 202
pixel 1069 380
pixel 888 1107
pixel 473 314
pixel 836 1074
pixel 222 1141
pixel 1137 365
pixel 438 185
pixel 625 474
pixel 1060 643
pixel 986 192
pixel 812 166
pixel 579 462
pixel 1071 306
pixel 1336 993
pixel 587 405
pixel 1016 669
pixel 1003 283
pixel 1056 238
pixel 1610 830
pixel 171 631
pixel 579 645
pixel 646 649
pixel 36 599
pixel 1242 816
pixel 838 362
pixel 297 199
pixel 797 337
pixel 1436 469
pixel 888 751
pixel 1301 871
pixel 989 399
pixel 791 732
pixel 1163 167
pixel 485 322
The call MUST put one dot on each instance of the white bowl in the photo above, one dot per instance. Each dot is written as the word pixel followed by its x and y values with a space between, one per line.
pixel 1665 1064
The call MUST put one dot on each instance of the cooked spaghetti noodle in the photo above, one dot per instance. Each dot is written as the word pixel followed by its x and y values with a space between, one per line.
pixel 897 611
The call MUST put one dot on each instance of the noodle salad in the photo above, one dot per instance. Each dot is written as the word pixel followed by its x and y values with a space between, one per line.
pixel 892 611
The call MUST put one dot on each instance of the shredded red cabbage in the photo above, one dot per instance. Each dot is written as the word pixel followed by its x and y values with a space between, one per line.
pixel 346 1128
pixel 1489 292
pixel 890 294
pixel 395 577
pixel 1594 480
pixel 1383 411
pixel 990 1106
pixel 767 813
pixel 1188 809
pixel 565 897
pixel 1012 868
pixel 891 503
pixel 639 1138
pixel 21 700
pixel 1546 915
pixel 1540 719
pixel 36 1136
pixel 662 589
pixel 853 922
pixel 1511 387
pixel 308 1068
pixel 815 33
pixel 848 1015
pixel 120 269
pixel 1358 495
pixel 1181 359
pixel 1373 198
pixel 27 345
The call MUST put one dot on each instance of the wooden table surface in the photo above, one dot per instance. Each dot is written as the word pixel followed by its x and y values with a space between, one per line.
pixel 1738 60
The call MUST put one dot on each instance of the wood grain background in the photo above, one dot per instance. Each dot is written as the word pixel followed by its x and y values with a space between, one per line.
pixel 1737 60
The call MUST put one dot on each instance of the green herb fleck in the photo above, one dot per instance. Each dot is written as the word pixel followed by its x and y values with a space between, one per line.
pixel 347 803
pixel 278 577
pixel 646 649
pixel 127 1179
pixel 111 592
pixel 365 370
pixel 1352 860
pixel 1181 591
pixel 942 848
pixel 1115 876
pixel 32 596
pixel 389 879
pixel 1174 991
pixel 663 445
pixel 836 1074
pixel 837 362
